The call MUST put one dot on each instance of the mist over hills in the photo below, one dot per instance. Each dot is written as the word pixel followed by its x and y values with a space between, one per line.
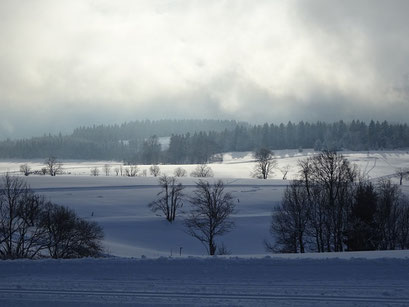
pixel 197 141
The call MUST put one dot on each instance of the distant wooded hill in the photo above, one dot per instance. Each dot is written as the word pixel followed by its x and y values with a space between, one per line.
pixel 196 141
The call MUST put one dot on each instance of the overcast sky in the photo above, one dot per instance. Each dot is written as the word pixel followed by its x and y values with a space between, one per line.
pixel 70 63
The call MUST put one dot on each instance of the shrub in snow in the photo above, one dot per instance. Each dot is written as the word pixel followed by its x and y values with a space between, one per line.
pixel 154 170
pixel 202 171
pixel 94 171
pixel 25 169
pixel 107 169
pixel 132 171
pixel 180 172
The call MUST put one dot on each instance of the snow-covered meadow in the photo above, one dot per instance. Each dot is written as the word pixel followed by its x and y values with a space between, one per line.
pixel 235 164
pixel 119 204
pixel 160 264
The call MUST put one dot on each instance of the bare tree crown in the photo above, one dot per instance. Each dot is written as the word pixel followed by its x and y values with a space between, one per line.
pixel 170 198
pixel 210 213
pixel 202 171
pixel 53 166
pixel 265 163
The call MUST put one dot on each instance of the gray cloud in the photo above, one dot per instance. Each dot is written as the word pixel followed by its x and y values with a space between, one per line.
pixel 70 63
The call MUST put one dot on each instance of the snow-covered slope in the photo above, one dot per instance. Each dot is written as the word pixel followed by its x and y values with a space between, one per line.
pixel 247 278
pixel 119 204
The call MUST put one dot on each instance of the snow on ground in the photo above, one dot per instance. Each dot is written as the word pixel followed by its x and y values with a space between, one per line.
pixel 193 281
pixel 238 164
pixel 246 278
pixel 119 204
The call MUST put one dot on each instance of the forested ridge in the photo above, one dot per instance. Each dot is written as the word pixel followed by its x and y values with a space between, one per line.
pixel 143 129
pixel 196 141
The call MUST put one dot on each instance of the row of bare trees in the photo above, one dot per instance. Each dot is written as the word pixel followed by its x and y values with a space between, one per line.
pixel 201 170
pixel 51 166
pixel 211 208
pixel 54 167
pixel 31 227
pixel 332 208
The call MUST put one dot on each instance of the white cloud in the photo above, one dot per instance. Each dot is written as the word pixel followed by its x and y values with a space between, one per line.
pixel 250 60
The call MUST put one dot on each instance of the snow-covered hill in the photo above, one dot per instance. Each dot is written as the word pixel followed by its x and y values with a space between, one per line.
pixel 119 204
pixel 161 264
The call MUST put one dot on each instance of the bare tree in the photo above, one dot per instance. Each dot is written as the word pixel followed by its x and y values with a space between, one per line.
pixel 180 172
pixel 210 214
pixel 19 217
pixel 362 230
pixel 94 171
pixel 107 169
pixel 202 171
pixel 284 170
pixel 402 173
pixel 154 170
pixel 265 163
pixel 403 223
pixel 69 236
pixel 30 235
pixel 388 213
pixel 29 226
pixel 44 170
pixel 116 170
pixel 12 192
pixel 170 197
pixel 53 166
pixel 25 169
pixel 290 220
pixel 132 171
pixel 328 209
pixel 334 176
pixel 325 191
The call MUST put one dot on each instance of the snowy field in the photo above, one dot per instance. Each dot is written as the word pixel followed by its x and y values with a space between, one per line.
pixel 160 264
pixel 119 204
pixel 237 164
pixel 269 281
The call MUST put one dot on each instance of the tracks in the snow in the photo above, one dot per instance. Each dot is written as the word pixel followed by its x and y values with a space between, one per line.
pixel 204 296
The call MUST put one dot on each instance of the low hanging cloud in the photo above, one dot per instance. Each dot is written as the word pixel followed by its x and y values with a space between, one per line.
pixel 70 63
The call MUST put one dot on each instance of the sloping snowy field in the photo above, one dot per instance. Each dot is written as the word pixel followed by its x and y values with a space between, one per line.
pixel 267 281
pixel 119 205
